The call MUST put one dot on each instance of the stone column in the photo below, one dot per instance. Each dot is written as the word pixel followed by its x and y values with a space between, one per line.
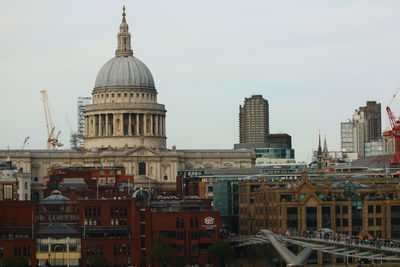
pixel 156 126
pixel 163 125
pixel 145 124
pixel 160 125
pixel 137 125
pixel 107 126
pixel 86 126
pixel 91 124
pixel 151 124
pixel 129 124
pixel 100 128
pixel 113 125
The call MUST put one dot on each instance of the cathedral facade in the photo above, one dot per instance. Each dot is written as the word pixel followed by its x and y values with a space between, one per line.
pixel 126 126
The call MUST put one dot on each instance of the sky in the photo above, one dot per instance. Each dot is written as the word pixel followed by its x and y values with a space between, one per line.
pixel 316 61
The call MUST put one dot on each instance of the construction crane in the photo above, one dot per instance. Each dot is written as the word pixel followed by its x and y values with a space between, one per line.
pixel 25 142
pixel 52 140
pixel 395 133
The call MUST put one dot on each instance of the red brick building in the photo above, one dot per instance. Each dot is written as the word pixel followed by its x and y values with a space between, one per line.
pixel 88 182
pixel 76 232
pixel 16 230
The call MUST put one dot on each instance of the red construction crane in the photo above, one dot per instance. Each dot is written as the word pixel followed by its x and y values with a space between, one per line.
pixel 395 132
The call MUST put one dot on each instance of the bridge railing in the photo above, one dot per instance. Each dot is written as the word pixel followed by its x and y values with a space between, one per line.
pixel 347 240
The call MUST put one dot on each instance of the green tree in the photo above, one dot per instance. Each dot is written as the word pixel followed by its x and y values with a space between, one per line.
pixel 16 262
pixel 220 250
pixel 161 249
pixel 98 260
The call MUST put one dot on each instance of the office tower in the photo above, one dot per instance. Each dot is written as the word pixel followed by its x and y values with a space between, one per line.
pixel 254 120
pixel 373 130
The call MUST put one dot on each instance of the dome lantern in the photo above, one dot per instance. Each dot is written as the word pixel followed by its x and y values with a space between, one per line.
pixel 124 38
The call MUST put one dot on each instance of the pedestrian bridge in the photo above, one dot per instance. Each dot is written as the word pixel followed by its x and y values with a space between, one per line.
pixel 327 241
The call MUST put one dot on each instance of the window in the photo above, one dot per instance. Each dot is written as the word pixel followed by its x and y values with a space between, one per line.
pixel 345 210
pixel 371 222
pixel 194 235
pixel 378 208
pixel 179 235
pixel 180 223
pixel 165 177
pixel 345 222
pixel 119 94
pixel 111 180
pixel 142 168
pixel 179 248
pixel 102 173
pixel 195 249
pixel 337 209
pixel 143 230
pixel 378 221
pixel 194 222
pixel 370 209
pixel 8 191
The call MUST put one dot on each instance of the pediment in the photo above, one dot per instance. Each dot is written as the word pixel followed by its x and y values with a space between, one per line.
pixel 312 201
pixel 141 151
pixel 305 187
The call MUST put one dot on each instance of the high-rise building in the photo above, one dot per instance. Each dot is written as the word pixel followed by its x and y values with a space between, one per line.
pixel 347 136
pixel 363 134
pixel 254 120
pixel 373 119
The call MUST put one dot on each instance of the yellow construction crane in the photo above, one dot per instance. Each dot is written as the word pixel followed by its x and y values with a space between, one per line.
pixel 52 139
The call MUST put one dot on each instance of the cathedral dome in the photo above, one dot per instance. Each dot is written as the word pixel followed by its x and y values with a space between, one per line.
pixel 124 72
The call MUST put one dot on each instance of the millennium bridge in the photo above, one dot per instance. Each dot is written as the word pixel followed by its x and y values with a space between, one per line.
pixel 327 241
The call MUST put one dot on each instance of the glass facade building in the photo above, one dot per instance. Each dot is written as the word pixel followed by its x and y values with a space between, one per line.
pixel 275 153
pixel 226 201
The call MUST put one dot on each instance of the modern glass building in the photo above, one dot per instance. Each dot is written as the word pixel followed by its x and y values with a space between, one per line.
pixel 226 201
pixel 275 153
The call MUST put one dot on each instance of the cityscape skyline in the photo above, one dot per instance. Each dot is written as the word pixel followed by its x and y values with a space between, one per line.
pixel 46 49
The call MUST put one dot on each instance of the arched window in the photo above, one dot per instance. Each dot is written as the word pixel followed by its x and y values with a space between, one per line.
pixel 142 168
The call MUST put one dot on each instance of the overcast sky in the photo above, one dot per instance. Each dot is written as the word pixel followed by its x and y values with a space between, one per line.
pixel 315 62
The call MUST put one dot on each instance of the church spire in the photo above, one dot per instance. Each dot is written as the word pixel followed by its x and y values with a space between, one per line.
pixel 124 38
pixel 319 143
pixel 325 147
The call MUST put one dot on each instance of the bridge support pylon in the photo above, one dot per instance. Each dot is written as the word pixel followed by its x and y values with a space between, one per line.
pixel 291 259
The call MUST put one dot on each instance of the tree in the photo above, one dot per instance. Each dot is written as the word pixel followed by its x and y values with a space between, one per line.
pixel 98 260
pixel 16 262
pixel 221 250
pixel 161 249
